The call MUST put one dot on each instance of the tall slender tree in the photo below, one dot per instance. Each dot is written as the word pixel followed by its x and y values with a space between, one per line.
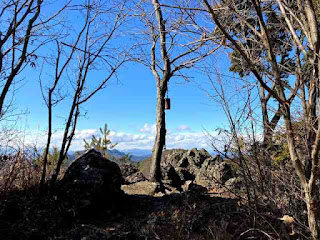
pixel 175 45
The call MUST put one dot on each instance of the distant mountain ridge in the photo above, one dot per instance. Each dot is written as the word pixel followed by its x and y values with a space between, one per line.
pixel 136 154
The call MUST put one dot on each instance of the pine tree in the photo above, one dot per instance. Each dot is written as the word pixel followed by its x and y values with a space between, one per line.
pixel 102 144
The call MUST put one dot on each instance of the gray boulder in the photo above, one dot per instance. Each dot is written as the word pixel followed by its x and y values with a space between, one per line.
pixel 172 157
pixel 198 156
pixel 170 175
pixel 92 183
pixel 131 174
pixel 214 171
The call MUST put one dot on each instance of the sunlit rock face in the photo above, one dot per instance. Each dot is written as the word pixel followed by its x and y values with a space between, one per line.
pixel 179 166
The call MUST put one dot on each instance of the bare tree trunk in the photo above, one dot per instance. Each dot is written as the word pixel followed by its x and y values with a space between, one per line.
pixel 165 67
pixel 162 85
pixel 51 102
pixel 308 184
pixel 312 213
pixel 269 126
pixel 267 134
pixel 155 170
pixel 45 160
pixel 67 136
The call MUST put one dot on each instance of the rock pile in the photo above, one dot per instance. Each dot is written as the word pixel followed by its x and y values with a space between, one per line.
pixel 179 166
pixel 93 182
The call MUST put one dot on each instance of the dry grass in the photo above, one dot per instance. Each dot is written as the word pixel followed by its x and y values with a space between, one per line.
pixel 17 172
pixel 220 215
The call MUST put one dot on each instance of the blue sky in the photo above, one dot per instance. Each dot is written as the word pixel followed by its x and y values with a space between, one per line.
pixel 128 106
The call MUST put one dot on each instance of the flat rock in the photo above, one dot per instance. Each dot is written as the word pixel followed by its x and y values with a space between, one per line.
pixel 141 188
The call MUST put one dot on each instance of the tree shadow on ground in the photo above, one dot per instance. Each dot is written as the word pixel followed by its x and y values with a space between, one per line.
pixel 189 215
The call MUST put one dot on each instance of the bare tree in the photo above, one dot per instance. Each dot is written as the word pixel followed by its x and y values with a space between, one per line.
pixel 22 28
pixel 51 102
pixel 176 44
pixel 92 50
pixel 18 20
pixel 301 23
pixel 237 111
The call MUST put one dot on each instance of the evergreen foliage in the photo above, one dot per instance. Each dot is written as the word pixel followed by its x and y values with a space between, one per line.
pixel 102 144
pixel 278 36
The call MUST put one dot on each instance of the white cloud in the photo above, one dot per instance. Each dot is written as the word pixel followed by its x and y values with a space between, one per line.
pixel 85 134
pixel 142 139
pixel 148 128
pixel 183 128
pixel 187 140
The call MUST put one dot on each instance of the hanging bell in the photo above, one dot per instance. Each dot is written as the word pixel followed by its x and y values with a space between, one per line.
pixel 167 103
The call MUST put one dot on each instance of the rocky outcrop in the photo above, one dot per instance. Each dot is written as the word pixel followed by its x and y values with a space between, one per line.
pixel 131 174
pixel 179 166
pixel 235 183
pixel 214 170
pixel 92 183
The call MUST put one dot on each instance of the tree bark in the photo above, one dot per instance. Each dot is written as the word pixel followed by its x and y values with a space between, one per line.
pixel 155 169
pixel 45 160
pixel 267 134
pixel 307 184
pixel 162 86
pixel 312 214
pixel 66 136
